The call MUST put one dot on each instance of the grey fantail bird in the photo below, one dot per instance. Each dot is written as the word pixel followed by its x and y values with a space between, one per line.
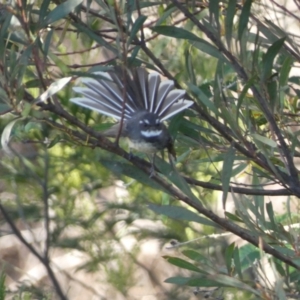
pixel 141 99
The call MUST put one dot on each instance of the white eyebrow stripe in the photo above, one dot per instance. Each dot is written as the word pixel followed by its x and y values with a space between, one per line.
pixel 151 133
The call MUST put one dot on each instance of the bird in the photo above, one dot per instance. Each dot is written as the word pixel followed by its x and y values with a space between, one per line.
pixel 140 101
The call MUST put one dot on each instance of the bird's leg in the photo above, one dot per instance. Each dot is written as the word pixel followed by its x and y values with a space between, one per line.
pixel 130 154
pixel 152 170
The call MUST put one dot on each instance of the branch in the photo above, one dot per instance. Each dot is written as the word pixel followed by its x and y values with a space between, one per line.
pixel 97 140
pixel 44 261
pixel 292 179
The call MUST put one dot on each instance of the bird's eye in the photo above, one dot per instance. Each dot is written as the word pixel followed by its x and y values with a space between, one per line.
pixel 145 123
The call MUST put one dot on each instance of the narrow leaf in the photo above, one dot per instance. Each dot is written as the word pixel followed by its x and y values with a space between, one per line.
pixel 264 140
pixel 244 18
pixel 214 9
pixel 181 213
pixel 54 87
pixel 228 257
pixel 6 134
pixel 269 57
pixel 61 11
pixel 203 98
pixel 136 27
pixel 226 172
pixel 43 10
pixel 230 13
pixel 182 264
pixel 237 262
pixel 176 32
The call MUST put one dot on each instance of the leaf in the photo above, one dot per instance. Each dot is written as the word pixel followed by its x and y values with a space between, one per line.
pixel 214 9
pixel 54 87
pixel 136 27
pixel 203 98
pixel 215 280
pixel 269 57
pixel 242 95
pixel 244 18
pixel 2 285
pixel 271 215
pixel 233 282
pixel 196 256
pixel 182 264
pixel 233 217
pixel 61 11
pixel 285 71
pixel 237 262
pixel 230 13
pixel 169 10
pixel 181 213
pixel 43 10
pixel 264 140
pixel 248 255
pixel 6 134
pixel 191 281
pixel 228 257
pixel 176 32
pixel 95 37
pixel 226 172
pixel 209 49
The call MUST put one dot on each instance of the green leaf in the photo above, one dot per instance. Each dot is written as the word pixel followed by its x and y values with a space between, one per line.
pixel 190 281
pixel 233 282
pixel 203 98
pixel 269 57
pixel 214 10
pixel 271 215
pixel 230 13
pixel 4 108
pixel 182 264
pixel 43 10
pixel 242 96
pixel 176 32
pixel 244 18
pixel 237 262
pixel 2 285
pixel 95 37
pixel 209 49
pixel 196 256
pixel 228 257
pixel 264 140
pixel 47 43
pixel 181 213
pixel 226 172
pixel 248 255
pixel 233 217
pixel 136 27
pixel 168 12
pixel 61 11
pixel 285 71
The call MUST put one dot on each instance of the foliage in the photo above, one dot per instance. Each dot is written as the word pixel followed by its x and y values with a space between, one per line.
pixel 240 138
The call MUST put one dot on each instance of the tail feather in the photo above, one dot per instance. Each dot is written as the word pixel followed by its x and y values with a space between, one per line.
pixel 139 83
pixel 164 88
pixel 176 108
pixel 153 85
pixel 144 91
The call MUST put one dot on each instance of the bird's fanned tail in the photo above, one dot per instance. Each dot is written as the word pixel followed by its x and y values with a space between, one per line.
pixel 144 92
